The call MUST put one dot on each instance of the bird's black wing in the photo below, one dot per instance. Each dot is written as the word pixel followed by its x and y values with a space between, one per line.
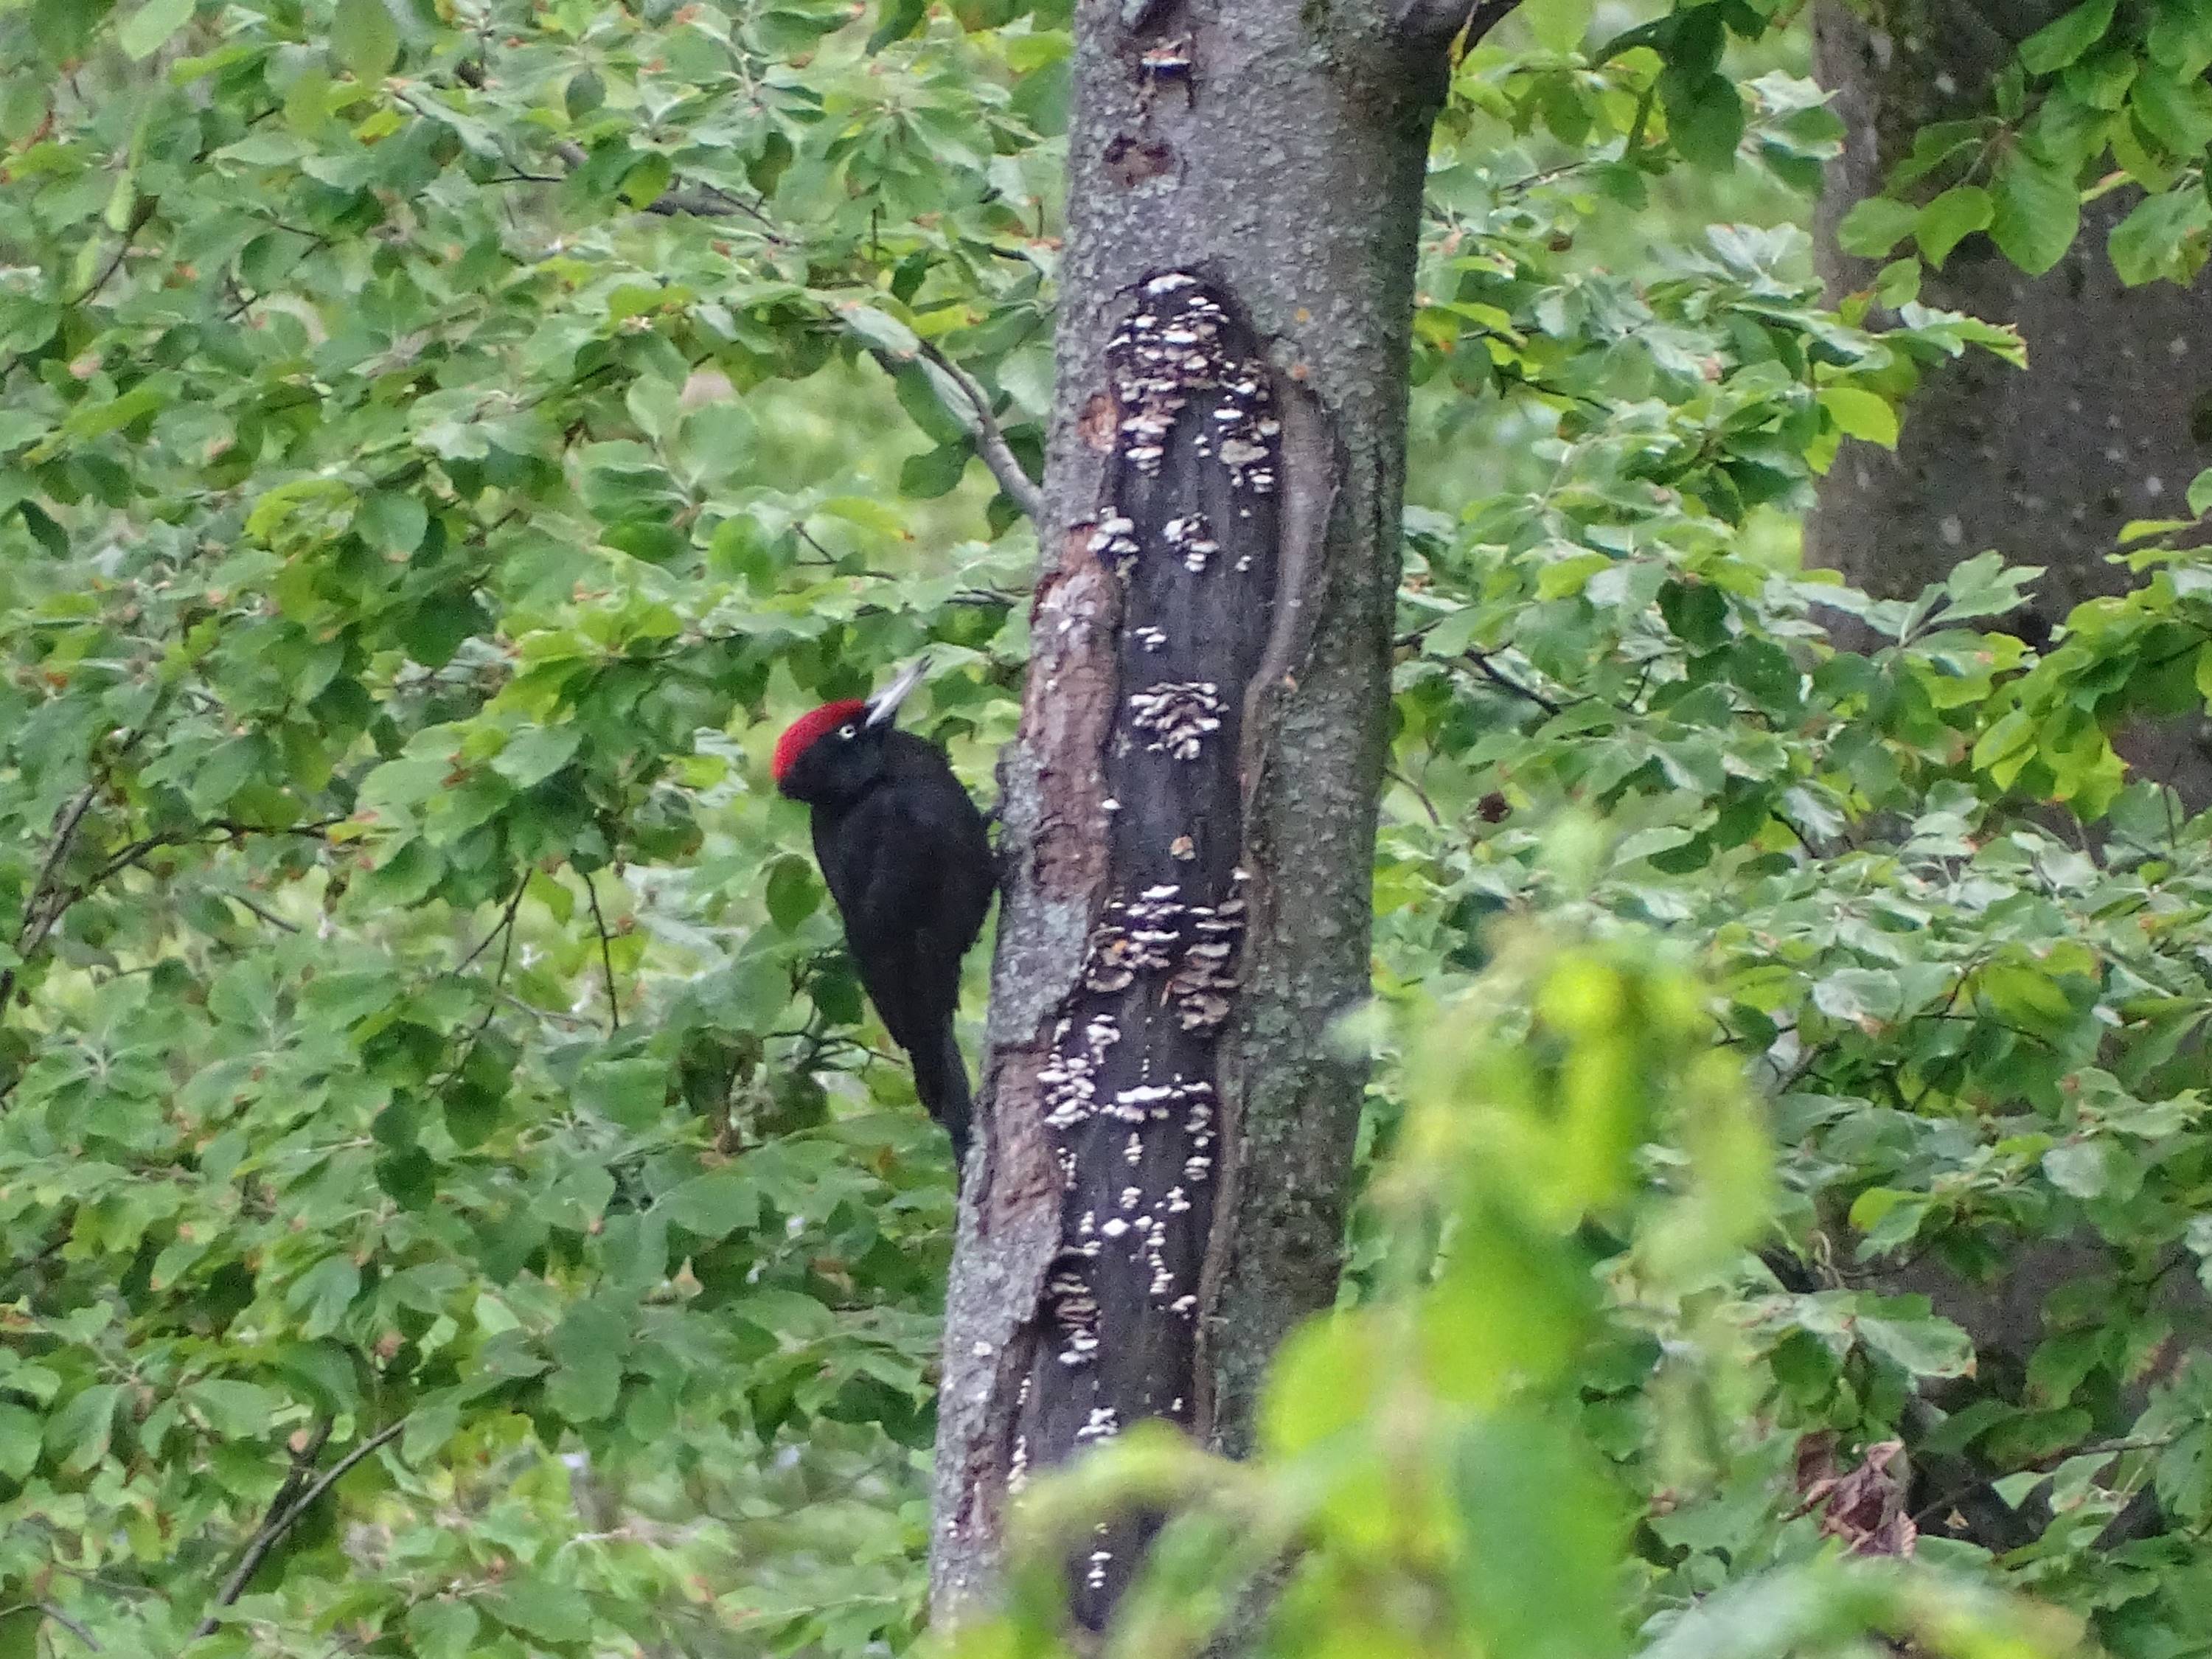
pixel 909 866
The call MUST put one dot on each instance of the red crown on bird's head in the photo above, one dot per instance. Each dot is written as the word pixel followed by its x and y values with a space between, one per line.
pixel 799 737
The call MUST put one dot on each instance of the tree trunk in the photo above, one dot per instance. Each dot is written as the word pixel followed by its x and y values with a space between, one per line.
pixel 1188 807
pixel 2110 421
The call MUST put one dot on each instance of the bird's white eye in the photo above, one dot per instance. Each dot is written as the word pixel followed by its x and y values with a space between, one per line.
pixel 848 730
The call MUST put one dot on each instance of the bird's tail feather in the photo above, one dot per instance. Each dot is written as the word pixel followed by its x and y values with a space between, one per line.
pixel 940 1078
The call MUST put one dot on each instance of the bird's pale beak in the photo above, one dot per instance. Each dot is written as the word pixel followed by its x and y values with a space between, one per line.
pixel 884 705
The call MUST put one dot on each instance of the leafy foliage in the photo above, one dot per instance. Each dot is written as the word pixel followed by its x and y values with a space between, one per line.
pixel 1466 1461
pixel 449 1201
pixel 429 1036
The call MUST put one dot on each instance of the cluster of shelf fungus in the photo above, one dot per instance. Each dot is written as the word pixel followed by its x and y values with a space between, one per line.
pixel 1132 1113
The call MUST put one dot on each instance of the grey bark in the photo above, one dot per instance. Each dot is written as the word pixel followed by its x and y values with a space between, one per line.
pixel 1158 1189
pixel 2108 423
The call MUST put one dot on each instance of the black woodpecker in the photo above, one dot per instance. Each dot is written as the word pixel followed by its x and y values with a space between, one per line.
pixel 907 858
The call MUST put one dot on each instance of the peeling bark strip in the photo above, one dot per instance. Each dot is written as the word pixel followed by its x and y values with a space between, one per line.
pixel 1187 811
pixel 1149 639
pixel 1165 604
pixel 1189 524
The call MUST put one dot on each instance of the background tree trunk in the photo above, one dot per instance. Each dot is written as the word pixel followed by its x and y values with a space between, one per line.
pixel 1188 808
pixel 2110 421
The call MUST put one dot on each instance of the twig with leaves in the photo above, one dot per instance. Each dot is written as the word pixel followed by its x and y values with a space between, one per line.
pixel 47 1609
pixel 990 440
pixel 606 955
pixel 284 1513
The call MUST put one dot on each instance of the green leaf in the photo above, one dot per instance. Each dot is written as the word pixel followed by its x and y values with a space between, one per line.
pixel 2179 39
pixel 239 1410
pixel 1565 577
pixel 2080 1168
pixel 1874 226
pixel 2200 493
pixel 922 391
pixel 2057 44
pixel 2164 236
pixel 584 94
pixel 634 1249
pixel 1889 1219
pixel 2183 1477
pixel 21 1429
pixel 630 1092
pixel 1452 636
pixel 390 521
pixel 365 38
pixel 715 1205
pixel 1319 1383
pixel 2026 994
pixel 585 1387
pixel 441 1628
pixel 324 1293
pixel 1897 284
pixel 1950 218
pixel 588 1345
pixel 758 985
pixel 1704 119
pixel 2037 210
pixel 898 19
pixel 1696 612
pixel 2178 113
pixel 793 892
pixel 147 29
pixel 232 766
pixel 98 419
pixel 641 186
pixel 539 1608
pixel 881 330
pixel 1559 26
pixel 934 472
pixel 1543 1531
pixel 1858 994
pixel 536 755
pixel 2061 1363
pixel 407 875
pixel 1924 1343
pixel 1861 414
pixel 78 1433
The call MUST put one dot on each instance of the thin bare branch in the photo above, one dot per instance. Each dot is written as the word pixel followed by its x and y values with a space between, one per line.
pixel 1406 781
pixel 64 837
pixel 282 1517
pixel 71 1626
pixel 262 911
pixel 505 925
pixel 606 955
pixel 140 214
pixel 687 201
pixel 503 931
pixel 990 441
pixel 43 908
pixel 49 1610
pixel 1504 681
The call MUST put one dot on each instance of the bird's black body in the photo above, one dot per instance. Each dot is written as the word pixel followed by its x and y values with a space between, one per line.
pixel 907 858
